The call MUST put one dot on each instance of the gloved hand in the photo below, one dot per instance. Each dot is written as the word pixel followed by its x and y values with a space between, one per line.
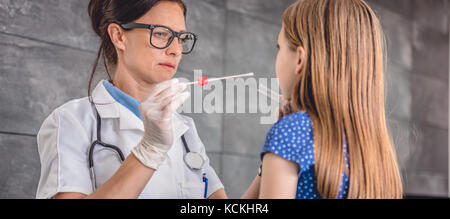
pixel 157 111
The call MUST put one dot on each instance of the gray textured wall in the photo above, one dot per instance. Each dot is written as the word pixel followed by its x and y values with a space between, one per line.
pixel 417 77
pixel 47 49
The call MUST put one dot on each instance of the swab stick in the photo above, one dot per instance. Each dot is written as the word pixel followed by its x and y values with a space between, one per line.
pixel 269 93
pixel 202 81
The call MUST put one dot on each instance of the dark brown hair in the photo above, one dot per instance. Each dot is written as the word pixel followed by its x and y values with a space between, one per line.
pixel 105 12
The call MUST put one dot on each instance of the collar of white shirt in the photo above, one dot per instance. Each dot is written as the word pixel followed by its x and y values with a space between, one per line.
pixel 109 108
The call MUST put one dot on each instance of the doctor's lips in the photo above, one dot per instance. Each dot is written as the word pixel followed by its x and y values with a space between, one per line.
pixel 168 66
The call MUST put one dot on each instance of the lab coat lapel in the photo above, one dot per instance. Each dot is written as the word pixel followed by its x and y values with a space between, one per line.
pixel 105 104
pixel 180 125
pixel 107 107
pixel 128 120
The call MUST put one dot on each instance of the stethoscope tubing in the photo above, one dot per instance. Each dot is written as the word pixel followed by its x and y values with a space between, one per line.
pixel 122 157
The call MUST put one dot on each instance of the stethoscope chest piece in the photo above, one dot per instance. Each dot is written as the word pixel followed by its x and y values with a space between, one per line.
pixel 194 160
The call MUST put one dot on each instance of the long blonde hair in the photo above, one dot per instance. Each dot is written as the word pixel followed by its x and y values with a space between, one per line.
pixel 341 86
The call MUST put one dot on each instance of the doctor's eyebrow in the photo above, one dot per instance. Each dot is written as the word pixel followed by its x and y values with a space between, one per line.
pixel 178 30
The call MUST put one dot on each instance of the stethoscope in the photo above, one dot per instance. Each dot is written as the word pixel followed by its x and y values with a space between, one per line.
pixel 193 160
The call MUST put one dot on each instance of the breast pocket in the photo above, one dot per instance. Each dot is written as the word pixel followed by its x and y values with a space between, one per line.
pixel 193 186
pixel 106 163
pixel 193 190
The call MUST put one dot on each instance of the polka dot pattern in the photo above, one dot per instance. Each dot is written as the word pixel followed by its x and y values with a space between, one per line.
pixel 292 138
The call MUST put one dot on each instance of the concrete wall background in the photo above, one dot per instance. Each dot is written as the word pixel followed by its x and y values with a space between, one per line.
pixel 47 49
pixel 417 34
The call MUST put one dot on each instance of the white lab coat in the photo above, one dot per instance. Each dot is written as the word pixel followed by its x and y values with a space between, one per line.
pixel 67 133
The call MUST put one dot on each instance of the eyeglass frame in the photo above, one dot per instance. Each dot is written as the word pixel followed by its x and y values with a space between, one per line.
pixel 151 27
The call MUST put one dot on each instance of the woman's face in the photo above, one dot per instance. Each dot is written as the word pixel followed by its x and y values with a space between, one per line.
pixel 146 62
pixel 287 65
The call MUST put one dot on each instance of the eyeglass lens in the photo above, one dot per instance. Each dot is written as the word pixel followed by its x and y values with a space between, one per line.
pixel 161 38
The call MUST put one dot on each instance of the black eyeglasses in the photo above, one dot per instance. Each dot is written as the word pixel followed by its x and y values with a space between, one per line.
pixel 161 36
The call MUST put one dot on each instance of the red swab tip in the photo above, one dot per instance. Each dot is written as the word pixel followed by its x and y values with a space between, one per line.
pixel 202 81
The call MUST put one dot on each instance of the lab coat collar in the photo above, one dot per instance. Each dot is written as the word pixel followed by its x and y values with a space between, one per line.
pixel 105 104
pixel 109 108
pixel 180 125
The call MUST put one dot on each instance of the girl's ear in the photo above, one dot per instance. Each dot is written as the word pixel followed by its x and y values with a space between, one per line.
pixel 117 36
pixel 299 60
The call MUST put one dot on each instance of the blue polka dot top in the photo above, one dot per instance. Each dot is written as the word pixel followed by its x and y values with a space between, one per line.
pixel 292 138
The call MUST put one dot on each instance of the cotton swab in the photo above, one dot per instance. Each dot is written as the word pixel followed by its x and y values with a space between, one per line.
pixel 202 81
pixel 269 93
pixel 264 88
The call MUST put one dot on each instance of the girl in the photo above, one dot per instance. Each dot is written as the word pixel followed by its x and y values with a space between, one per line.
pixel 335 143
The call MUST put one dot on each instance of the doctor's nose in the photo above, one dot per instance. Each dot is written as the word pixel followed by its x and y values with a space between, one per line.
pixel 175 48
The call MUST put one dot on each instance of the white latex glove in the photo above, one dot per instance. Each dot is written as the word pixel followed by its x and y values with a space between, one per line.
pixel 157 112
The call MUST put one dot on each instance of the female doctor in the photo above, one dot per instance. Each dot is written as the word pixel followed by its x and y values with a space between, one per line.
pixel 126 139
